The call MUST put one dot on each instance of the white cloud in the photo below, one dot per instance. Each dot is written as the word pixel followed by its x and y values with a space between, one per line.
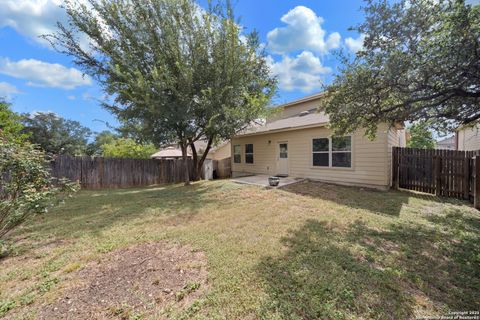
pixel 303 32
pixel 43 74
pixel 6 90
pixel 33 18
pixel 355 45
pixel 304 72
pixel 71 97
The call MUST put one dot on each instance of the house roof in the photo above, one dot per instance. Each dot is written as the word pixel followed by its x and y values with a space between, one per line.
pixel 311 118
pixel 169 152
pixel 201 145
pixel 299 121
pixel 465 126
pixel 175 152
pixel 214 149
pixel 301 100
pixel 447 141
pixel 302 120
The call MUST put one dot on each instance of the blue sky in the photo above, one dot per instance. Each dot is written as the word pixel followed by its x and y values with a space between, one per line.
pixel 300 37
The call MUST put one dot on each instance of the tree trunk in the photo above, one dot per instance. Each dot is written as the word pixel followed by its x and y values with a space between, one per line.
pixel 196 175
pixel 183 146
pixel 198 164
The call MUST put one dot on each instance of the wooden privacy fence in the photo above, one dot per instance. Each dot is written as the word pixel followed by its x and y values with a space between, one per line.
pixel 222 168
pixel 445 173
pixel 100 173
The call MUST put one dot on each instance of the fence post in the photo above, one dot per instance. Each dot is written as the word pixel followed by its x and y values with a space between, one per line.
pixel 476 184
pixel 100 172
pixel 394 168
pixel 438 176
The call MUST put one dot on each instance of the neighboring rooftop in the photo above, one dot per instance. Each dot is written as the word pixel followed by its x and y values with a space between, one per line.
pixel 447 143
pixel 174 152
pixel 169 153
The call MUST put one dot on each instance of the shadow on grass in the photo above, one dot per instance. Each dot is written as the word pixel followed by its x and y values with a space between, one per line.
pixel 334 272
pixel 377 201
pixel 93 211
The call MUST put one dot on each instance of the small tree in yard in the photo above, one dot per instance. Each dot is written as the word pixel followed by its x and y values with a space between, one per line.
pixel 26 186
pixel 177 73
pixel 420 136
pixel 95 148
pixel 420 61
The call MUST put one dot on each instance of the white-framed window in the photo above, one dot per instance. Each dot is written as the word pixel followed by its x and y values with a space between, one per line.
pixel 237 153
pixel 342 152
pixel 249 153
pixel 332 152
pixel 321 152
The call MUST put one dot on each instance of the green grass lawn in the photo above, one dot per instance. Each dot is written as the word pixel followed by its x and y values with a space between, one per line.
pixel 309 251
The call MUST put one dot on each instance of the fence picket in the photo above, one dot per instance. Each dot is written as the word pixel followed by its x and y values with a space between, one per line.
pixel 98 173
pixel 446 173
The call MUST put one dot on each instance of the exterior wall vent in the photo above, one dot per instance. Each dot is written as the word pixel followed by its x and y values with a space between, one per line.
pixel 304 113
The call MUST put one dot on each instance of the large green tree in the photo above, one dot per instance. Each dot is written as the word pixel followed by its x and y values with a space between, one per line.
pixel 177 73
pixel 55 134
pixel 420 61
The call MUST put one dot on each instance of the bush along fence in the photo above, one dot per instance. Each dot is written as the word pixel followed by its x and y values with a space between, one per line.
pixel 104 173
pixel 446 173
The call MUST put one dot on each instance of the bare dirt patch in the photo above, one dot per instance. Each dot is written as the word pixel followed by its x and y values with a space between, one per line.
pixel 147 279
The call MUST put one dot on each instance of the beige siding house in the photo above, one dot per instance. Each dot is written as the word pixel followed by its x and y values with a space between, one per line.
pixel 297 142
pixel 468 138
pixel 220 152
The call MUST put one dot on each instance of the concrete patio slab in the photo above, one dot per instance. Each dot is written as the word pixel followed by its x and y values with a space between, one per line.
pixel 262 180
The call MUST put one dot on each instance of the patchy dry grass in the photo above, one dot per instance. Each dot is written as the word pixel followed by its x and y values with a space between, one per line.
pixel 308 251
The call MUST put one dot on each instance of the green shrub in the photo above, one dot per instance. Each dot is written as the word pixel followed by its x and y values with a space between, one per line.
pixel 26 186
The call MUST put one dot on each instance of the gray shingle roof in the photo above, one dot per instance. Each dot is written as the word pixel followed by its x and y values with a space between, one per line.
pixel 298 121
